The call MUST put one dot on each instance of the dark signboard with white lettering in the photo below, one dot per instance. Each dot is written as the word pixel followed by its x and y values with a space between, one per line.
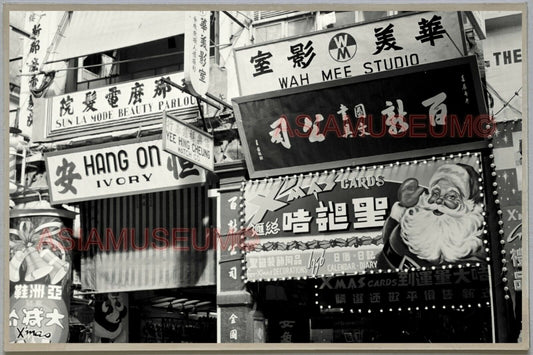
pixel 375 117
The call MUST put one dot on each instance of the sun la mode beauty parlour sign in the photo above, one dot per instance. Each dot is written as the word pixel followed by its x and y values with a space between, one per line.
pixel 112 169
pixel 394 43
pixel 412 214
pixel 369 118
pixel 104 109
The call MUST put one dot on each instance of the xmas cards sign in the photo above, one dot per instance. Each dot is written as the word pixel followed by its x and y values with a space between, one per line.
pixel 412 214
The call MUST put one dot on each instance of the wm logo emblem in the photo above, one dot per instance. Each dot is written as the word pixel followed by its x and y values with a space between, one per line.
pixel 342 47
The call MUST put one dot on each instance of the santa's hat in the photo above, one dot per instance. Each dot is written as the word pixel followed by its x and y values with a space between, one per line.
pixel 463 176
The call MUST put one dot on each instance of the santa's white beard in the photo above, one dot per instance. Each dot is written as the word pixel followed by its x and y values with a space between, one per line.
pixel 454 235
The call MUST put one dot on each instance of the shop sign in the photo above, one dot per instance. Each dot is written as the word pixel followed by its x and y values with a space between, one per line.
pixel 39 275
pixel 393 43
pixel 365 119
pixel 503 51
pixel 459 287
pixel 508 155
pixel 188 142
pixel 412 214
pixel 234 325
pixel 134 103
pixel 117 169
pixel 512 217
pixel 197 45
pixel 41 28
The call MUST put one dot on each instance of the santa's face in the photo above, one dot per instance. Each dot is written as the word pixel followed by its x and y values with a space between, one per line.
pixel 443 226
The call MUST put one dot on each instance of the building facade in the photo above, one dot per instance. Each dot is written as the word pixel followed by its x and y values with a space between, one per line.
pixel 355 193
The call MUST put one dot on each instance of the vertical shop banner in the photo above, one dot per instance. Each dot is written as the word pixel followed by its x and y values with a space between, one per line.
pixel 197 46
pixel 42 27
pixel 398 42
pixel 360 120
pixel 400 216
pixel 40 248
pixel 508 155
pixel 512 222
pixel 113 169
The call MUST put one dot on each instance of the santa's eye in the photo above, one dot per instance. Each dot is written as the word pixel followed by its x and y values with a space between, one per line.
pixel 451 197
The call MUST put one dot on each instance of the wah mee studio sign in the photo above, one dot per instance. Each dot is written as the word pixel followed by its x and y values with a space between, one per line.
pixel 399 42
pixel 370 118
pixel 414 214
pixel 129 104
pixel 117 169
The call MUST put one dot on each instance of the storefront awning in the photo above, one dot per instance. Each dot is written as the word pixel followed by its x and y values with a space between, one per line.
pixel 115 29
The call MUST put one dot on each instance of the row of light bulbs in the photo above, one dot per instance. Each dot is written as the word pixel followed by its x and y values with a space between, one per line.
pixel 382 166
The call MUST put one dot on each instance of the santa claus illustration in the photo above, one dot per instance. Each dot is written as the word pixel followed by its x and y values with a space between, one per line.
pixel 438 225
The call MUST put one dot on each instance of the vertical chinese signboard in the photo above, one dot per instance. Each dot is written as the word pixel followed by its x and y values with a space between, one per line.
pixel 508 145
pixel 399 42
pixel 197 51
pixel 39 274
pixel 41 27
pixel 416 214
pixel 365 119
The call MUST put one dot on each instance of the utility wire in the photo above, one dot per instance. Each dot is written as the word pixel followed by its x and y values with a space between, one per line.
pixel 508 101
pixel 121 61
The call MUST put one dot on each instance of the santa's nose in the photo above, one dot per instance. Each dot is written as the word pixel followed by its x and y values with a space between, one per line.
pixel 439 201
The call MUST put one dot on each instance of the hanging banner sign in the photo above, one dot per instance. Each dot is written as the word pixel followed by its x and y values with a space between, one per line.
pixel 39 275
pixel 394 43
pixel 104 109
pixel 364 119
pixel 503 52
pixel 196 51
pixel 188 142
pixel 413 214
pixel 41 28
pixel 458 287
pixel 512 217
pixel 112 169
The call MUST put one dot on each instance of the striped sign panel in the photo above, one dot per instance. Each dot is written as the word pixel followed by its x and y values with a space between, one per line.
pixel 148 241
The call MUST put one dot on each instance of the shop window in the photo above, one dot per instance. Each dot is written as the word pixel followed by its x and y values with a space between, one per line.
pixel 268 32
pixel 287 25
pixel 140 61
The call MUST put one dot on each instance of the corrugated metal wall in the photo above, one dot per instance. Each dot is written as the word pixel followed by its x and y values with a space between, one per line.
pixel 136 264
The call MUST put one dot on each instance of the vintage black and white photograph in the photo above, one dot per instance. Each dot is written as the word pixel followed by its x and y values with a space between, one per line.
pixel 253 174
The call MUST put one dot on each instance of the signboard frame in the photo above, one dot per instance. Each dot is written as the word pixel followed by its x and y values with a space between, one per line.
pixel 166 118
pixel 460 47
pixel 43 129
pixel 54 201
pixel 450 148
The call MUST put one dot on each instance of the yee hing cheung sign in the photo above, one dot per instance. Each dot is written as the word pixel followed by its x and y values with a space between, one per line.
pixel 117 169
pixel 371 118
pixel 414 214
